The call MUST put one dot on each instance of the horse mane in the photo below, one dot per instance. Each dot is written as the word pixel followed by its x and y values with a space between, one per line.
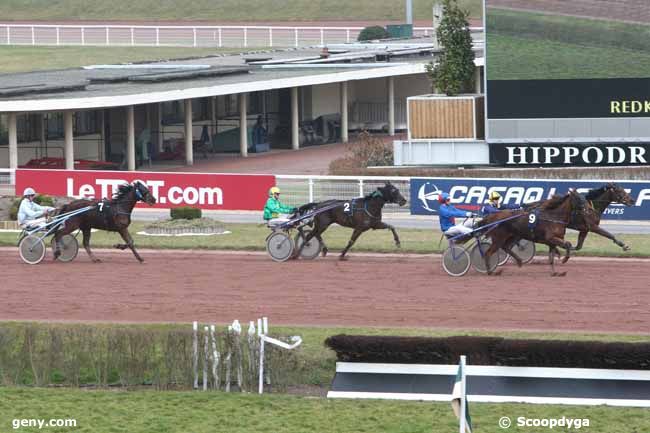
pixel 123 190
pixel 596 192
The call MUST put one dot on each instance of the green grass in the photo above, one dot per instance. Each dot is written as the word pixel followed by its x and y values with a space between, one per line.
pixel 222 11
pixel 197 412
pixel 23 59
pixel 525 45
pixel 251 237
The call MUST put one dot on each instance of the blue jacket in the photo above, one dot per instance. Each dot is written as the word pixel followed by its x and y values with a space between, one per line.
pixel 488 208
pixel 447 214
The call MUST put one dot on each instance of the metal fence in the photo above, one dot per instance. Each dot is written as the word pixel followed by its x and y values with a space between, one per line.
pixel 298 189
pixel 183 36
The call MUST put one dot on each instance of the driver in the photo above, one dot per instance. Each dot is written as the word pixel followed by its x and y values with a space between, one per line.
pixel 447 221
pixel 275 212
pixel 31 213
pixel 494 206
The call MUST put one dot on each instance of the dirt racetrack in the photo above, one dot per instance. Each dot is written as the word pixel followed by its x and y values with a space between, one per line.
pixel 368 290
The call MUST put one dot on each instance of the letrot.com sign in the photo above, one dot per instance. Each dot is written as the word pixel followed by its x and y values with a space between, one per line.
pixel 205 191
pixel 471 194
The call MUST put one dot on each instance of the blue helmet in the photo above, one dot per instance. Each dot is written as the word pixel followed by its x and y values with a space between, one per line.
pixel 443 197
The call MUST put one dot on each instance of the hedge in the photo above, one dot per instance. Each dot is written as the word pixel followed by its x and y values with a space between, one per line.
pixel 491 351
pixel 373 32
pixel 185 213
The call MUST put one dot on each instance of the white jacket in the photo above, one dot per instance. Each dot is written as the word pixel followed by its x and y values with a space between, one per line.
pixel 30 211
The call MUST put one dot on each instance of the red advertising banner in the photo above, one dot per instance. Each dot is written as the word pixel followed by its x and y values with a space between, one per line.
pixel 201 190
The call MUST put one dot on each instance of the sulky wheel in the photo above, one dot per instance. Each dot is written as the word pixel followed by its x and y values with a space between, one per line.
pixel 69 248
pixel 312 249
pixel 280 246
pixel 32 249
pixel 478 261
pixel 525 249
pixel 455 261
pixel 503 257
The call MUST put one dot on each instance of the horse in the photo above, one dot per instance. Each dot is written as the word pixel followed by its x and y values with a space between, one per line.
pixel 545 224
pixel 360 214
pixel 598 200
pixel 112 215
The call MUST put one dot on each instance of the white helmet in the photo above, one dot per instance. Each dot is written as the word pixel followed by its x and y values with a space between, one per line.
pixel 29 191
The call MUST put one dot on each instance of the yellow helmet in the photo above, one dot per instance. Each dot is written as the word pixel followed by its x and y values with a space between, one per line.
pixel 494 196
pixel 274 190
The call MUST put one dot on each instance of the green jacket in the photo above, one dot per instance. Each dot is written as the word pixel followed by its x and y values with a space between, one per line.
pixel 273 208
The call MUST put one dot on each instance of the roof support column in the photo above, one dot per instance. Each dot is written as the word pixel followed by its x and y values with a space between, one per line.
pixel 213 118
pixel 130 138
pixel 295 137
pixel 13 141
pixel 161 146
pixel 69 140
pixel 189 137
pixel 102 135
pixel 41 122
pixel 344 112
pixel 243 125
pixel 391 106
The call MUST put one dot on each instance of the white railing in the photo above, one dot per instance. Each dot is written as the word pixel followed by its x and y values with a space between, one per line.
pixel 300 189
pixel 185 36
pixel 7 176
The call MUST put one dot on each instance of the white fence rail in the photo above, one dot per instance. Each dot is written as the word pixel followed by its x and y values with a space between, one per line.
pixel 182 36
pixel 7 176
pixel 299 189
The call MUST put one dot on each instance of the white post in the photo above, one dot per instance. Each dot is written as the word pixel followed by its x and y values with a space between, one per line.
pixel 245 37
pixel 206 356
pixel 243 125
pixel 69 146
pixel 58 35
pixel 107 37
pixel 295 137
pixel 270 36
pixel 215 358
pixel 194 35
pixel 130 138
pixel 157 36
pixel 322 36
pixel 360 187
pixel 463 396
pixel 311 190
pixel 189 151
pixel 391 106
pixel 344 112
pixel 83 36
pixel 265 324
pixel 260 333
pixel 13 141
pixel 347 36
pixel 220 44
pixel 295 36
pixel 132 37
pixel 195 353
pixel 409 12
pixel 9 35
pixel 33 37
pixel 161 146
pixel 477 80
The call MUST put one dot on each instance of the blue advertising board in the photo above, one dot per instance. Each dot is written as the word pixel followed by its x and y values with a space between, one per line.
pixel 470 194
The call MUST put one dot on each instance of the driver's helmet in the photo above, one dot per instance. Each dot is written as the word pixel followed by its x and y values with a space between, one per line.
pixel 274 190
pixel 443 197
pixel 29 191
pixel 494 197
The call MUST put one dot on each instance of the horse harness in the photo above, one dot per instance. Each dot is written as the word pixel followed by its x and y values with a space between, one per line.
pixel 352 206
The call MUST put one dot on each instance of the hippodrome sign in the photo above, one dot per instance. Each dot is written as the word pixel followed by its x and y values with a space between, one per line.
pixel 202 190
pixel 470 194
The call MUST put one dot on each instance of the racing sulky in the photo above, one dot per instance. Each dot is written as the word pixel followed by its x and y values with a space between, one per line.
pixel 361 214
pixel 112 215
pixel 546 224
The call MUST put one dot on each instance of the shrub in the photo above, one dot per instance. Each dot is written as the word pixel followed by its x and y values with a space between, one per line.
pixel 373 32
pixel 43 200
pixel 185 213
pixel 367 151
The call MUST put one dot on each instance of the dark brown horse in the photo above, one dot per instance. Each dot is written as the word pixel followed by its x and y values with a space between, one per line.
pixel 112 215
pixel 361 214
pixel 546 224
pixel 597 201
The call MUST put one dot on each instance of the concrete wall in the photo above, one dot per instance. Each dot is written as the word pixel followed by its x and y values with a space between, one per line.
pixel 326 99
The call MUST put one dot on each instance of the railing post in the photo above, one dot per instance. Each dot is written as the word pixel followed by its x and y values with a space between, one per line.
pixel 322 36
pixel 33 37
pixel 83 36
pixel 9 37
pixel 426 32
pixel 270 36
pixel 58 35
pixel 311 190
pixel 108 41
pixel 360 187
pixel 194 36
pixel 295 36
pixel 220 42
pixel 347 35
pixel 157 36
pixel 245 37
pixel 132 37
